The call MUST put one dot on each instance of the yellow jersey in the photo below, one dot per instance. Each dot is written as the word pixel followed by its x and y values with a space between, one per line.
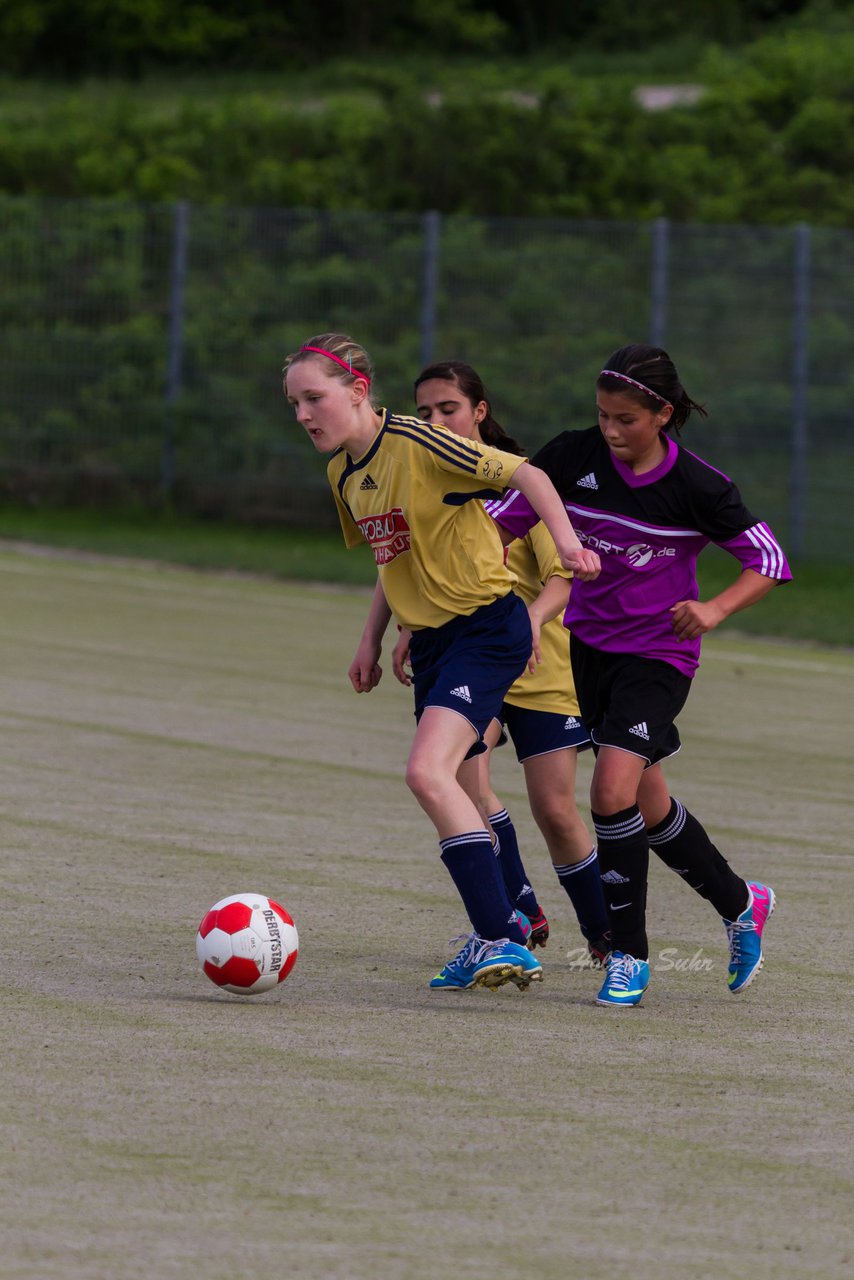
pixel 534 560
pixel 416 497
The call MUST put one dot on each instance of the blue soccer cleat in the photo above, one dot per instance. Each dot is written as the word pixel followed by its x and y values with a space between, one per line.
pixel 458 974
pixel 507 962
pixel 482 962
pixel 745 937
pixel 626 982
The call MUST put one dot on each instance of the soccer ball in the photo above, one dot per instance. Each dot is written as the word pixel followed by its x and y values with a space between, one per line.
pixel 247 944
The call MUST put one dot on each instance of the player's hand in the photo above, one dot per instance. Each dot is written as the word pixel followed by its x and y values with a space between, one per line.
pixel 400 658
pixel 583 563
pixel 693 618
pixel 536 654
pixel 365 671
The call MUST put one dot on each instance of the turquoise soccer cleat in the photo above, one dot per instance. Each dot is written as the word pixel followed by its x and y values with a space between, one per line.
pixel 482 962
pixel 626 982
pixel 507 962
pixel 745 937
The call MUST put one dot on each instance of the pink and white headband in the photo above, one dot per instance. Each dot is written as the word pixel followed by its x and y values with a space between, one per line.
pixel 624 377
pixel 345 364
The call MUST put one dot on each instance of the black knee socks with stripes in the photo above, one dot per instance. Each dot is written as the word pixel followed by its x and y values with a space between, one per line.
pixel 684 846
pixel 624 866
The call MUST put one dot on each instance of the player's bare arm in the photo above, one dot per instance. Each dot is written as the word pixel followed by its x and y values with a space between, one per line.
pixel 692 618
pixel 544 498
pixel 551 601
pixel 400 657
pixel 365 671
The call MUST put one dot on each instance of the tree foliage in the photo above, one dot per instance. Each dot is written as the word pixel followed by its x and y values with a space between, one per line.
pixel 89 412
pixel 74 38
pixel 769 141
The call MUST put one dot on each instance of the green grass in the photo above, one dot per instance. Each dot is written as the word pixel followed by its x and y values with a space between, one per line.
pixel 170 738
pixel 817 606
pixel 200 544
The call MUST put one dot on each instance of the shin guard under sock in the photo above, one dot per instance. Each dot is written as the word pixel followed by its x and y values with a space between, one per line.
pixel 624 866
pixel 474 870
pixel 582 881
pixel 684 846
pixel 510 860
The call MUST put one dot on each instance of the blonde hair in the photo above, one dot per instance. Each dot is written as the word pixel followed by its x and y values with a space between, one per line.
pixel 346 360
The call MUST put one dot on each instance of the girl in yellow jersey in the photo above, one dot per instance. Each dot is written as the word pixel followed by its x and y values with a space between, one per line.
pixel 415 493
pixel 540 709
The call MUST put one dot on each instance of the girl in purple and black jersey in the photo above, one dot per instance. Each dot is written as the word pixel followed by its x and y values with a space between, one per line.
pixel 648 507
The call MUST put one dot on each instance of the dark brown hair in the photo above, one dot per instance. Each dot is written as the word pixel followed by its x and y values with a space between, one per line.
pixel 471 385
pixel 659 382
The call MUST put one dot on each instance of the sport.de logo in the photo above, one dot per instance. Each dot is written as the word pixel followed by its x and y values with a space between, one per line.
pixel 388 534
pixel 641 553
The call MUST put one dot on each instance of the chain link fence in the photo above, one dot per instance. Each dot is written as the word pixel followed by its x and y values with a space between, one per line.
pixel 142 345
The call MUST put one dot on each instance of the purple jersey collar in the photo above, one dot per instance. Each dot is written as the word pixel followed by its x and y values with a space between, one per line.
pixel 649 477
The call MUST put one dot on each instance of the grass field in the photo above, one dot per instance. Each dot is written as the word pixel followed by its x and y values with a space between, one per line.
pixel 172 737
pixel 820 605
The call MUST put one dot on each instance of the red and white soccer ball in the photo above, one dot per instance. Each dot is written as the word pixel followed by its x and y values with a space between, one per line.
pixel 247 944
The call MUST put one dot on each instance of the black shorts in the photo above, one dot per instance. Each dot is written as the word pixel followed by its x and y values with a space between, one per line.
pixel 629 702
pixel 539 733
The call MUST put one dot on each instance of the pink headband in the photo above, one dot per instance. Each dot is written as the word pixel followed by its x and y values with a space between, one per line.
pixel 624 377
pixel 345 364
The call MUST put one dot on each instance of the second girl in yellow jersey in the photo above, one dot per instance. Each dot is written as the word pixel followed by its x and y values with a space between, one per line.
pixel 540 709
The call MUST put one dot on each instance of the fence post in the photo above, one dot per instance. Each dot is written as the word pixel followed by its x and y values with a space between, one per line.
pixel 800 387
pixel 175 349
pixel 658 281
pixel 430 284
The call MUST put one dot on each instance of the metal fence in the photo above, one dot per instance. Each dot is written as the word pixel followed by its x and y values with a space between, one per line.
pixel 142 345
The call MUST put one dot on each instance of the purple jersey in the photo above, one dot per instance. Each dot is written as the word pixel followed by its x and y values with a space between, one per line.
pixel 648 531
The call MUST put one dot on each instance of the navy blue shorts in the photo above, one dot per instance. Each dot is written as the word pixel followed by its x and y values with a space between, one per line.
pixel 629 701
pixel 469 663
pixel 538 733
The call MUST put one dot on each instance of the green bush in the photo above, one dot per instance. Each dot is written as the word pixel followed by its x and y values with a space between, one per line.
pixel 536 305
pixel 770 141
pixel 75 38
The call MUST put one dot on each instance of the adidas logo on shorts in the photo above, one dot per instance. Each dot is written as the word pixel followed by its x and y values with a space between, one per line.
pixel 588 482
pixel 461 692
pixel 640 731
pixel 368 483
pixel 572 722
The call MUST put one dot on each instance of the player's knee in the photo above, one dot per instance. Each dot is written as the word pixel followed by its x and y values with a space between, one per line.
pixel 423 779
pixel 414 775
pixel 554 822
pixel 612 795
